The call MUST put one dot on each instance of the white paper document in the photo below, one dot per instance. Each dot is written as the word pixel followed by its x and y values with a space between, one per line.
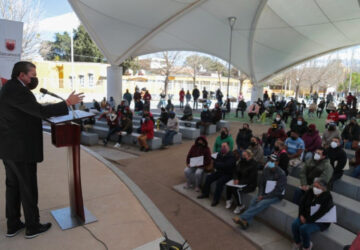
pixel 196 161
pixel 214 155
pixel 231 184
pixel 270 186
pixel 329 217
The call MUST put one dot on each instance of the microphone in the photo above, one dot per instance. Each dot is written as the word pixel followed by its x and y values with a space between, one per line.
pixel 46 92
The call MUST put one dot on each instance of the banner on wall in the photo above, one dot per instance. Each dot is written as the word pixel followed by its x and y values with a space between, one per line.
pixel 10 46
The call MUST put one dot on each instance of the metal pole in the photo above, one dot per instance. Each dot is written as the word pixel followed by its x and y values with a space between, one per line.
pixel 232 21
pixel 72 60
pixel 351 64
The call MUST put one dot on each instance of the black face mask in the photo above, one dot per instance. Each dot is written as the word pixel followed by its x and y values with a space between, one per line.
pixel 293 137
pixel 253 144
pixel 172 116
pixel 276 148
pixel 33 83
pixel 223 135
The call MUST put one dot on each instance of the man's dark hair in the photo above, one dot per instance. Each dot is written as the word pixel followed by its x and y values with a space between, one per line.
pixel 21 67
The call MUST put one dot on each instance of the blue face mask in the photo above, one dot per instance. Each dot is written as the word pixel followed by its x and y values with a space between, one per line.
pixel 271 164
pixel 204 110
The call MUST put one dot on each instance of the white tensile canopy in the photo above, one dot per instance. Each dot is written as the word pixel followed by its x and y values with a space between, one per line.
pixel 269 36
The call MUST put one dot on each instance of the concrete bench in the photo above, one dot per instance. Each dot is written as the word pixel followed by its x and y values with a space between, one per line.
pixel 211 129
pixel 189 133
pixel 177 139
pixel 282 214
pixel 346 185
pixel 89 139
pixel 348 210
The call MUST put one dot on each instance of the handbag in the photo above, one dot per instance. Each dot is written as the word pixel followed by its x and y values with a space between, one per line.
pixel 342 117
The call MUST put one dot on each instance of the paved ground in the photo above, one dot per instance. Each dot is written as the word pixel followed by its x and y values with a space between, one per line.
pixel 157 172
pixel 122 221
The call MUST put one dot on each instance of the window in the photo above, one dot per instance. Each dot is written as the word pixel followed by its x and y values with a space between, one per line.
pixel 71 81
pixel 91 80
pixel 81 80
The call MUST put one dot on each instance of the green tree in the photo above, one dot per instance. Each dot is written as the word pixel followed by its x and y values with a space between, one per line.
pixel 195 62
pixel 216 66
pixel 60 48
pixel 355 83
pixel 131 63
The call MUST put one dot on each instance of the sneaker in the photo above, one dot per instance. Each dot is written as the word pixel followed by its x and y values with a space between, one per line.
pixel 310 247
pixel 117 145
pixel 14 231
pixel 42 228
pixel 228 204
pixel 296 246
pixel 243 223
pixel 238 209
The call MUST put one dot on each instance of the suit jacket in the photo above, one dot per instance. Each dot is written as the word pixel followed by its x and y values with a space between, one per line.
pixel 20 122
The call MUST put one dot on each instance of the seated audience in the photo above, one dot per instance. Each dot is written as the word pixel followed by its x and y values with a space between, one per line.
pixel 128 113
pixel 295 147
pixel 216 113
pixel 331 107
pixel 312 141
pixel 279 121
pixel 103 104
pixel 333 116
pixel 224 165
pixel 245 174
pixel 312 110
pixel 187 116
pixel 126 126
pixel 266 196
pixel 163 119
pixel 257 150
pixel 243 138
pixel 241 107
pixel 172 128
pixel 96 105
pixel 226 108
pixel 355 163
pixel 253 111
pixel 147 132
pixel 194 174
pixel 139 106
pixel 351 133
pixel 338 159
pixel 331 132
pixel 320 108
pixel 82 106
pixel 169 107
pixel 121 106
pixel 306 223
pixel 274 133
pixel 205 118
pixel 299 125
pixel 283 158
pixel 114 125
pixel 319 166
pixel 223 137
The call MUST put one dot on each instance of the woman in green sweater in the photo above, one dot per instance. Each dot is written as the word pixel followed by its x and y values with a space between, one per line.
pixel 223 137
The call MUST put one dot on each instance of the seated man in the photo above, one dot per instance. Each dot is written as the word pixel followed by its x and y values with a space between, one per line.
pixel 306 223
pixel 163 119
pixel 245 174
pixel 351 133
pixel 139 106
pixel 216 113
pixel 312 141
pixel 169 107
pixel 299 125
pixel 271 190
pixel 172 128
pixel 121 107
pixel 224 166
pixel 205 118
pixel 187 113
pixel 243 138
pixel 338 159
pixel 331 132
pixel 319 166
pixel 241 107
pixel 147 132
pixel 274 133
pixel 126 126
pixel 258 152
pixel 295 147
pixel 114 125
pixel 223 137
pixel 355 163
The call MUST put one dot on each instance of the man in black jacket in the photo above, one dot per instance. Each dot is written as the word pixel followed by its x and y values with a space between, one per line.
pixel 338 159
pixel 224 165
pixel 195 94
pixel 206 118
pixel 243 138
pixel 351 133
pixel 21 146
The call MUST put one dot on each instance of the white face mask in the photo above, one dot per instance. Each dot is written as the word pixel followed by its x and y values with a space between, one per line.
pixel 317 191
pixel 333 144
pixel 317 157
pixel 299 123
pixel 277 118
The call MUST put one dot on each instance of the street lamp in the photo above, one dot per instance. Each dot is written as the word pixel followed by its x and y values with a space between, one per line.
pixel 232 21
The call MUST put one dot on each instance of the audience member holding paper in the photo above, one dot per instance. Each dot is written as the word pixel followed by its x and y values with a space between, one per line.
pixel 223 137
pixel 271 190
pixel 316 205
pixel 244 181
pixel 224 166
pixel 194 174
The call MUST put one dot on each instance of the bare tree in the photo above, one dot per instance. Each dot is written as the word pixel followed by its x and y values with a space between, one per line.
pixel 29 12
pixel 195 63
pixel 171 60
pixel 237 74
pixel 297 76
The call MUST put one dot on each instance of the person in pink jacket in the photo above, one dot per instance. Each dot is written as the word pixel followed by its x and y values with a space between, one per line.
pixel 253 111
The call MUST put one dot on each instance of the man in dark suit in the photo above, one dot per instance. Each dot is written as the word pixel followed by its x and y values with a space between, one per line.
pixel 21 146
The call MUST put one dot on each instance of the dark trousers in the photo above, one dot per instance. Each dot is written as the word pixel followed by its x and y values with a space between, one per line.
pixel 21 188
pixel 242 112
pixel 236 192
pixel 336 176
pixel 220 179
pixel 112 131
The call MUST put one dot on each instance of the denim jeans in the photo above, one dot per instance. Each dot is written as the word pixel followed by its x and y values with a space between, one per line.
pixel 308 155
pixel 298 195
pixel 167 140
pixel 356 172
pixel 112 131
pixel 220 180
pixel 193 176
pixel 256 207
pixel 301 232
pixel 348 145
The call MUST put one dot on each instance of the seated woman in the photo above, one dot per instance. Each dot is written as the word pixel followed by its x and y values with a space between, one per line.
pixel 312 141
pixel 279 121
pixel 245 174
pixel 187 113
pixel 333 116
pixel 351 133
pixel 274 133
pixel 193 175
pixel 223 137
pixel 243 138
pixel 306 223
pixel 162 121
pixel 147 132
pixel 258 152
pixel 343 115
pixel 280 151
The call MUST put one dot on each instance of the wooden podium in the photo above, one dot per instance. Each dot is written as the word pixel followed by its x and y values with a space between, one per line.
pixel 66 133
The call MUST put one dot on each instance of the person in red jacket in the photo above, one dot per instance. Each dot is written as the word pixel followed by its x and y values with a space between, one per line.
pixel 274 133
pixel 147 133
pixel 181 98
pixel 194 174
pixel 334 116
pixel 312 141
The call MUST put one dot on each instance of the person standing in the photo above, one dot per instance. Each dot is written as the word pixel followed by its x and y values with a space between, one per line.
pixel 128 97
pixel 21 146
pixel 195 94
pixel 181 98
pixel 188 97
